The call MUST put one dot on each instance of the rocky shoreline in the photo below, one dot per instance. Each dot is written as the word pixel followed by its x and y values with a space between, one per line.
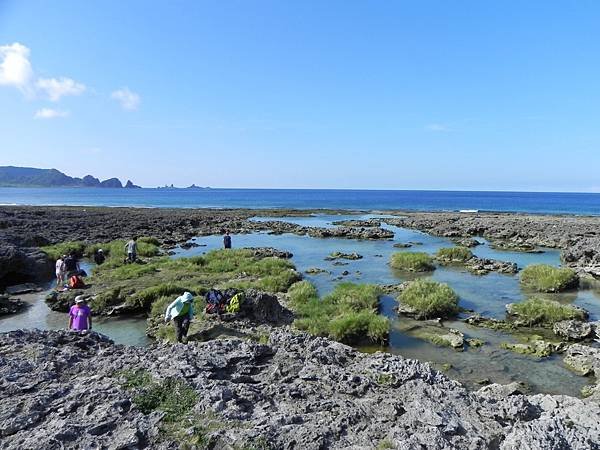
pixel 578 237
pixel 23 229
pixel 65 390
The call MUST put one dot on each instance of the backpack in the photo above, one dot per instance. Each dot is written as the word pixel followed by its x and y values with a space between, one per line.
pixel 234 303
pixel 214 297
pixel 214 302
pixel 75 282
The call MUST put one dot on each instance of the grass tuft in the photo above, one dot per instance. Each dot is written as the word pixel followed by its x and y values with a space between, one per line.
pixel 545 278
pixel 430 299
pixel 539 311
pixel 348 314
pixel 454 254
pixel 412 261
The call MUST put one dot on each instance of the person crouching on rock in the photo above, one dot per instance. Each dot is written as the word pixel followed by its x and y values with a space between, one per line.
pixel 181 311
pixel 80 315
pixel 99 257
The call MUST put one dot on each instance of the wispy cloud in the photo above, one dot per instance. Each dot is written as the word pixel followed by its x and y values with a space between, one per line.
pixel 48 113
pixel 55 88
pixel 128 99
pixel 437 127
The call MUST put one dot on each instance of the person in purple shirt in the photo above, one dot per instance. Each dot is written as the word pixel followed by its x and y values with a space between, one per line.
pixel 80 315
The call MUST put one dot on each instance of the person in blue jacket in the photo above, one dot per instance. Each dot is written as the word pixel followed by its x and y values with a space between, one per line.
pixel 181 312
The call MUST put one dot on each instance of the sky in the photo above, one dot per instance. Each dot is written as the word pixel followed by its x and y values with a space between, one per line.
pixel 467 95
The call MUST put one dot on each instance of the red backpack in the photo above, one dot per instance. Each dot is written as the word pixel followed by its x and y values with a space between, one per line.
pixel 75 282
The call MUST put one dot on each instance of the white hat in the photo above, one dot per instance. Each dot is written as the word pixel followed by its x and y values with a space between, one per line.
pixel 187 297
pixel 79 299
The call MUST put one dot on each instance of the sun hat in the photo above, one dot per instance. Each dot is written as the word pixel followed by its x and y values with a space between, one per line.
pixel 79 299
pixel 187 297
pixel 100 250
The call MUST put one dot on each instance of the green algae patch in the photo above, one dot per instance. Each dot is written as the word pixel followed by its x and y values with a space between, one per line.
pixel 412 262
pixel 545 278
pixel 537 348
pixel 453 254
pixel 475 343
pixel 428 299
pixel 348 314
pixel 543 312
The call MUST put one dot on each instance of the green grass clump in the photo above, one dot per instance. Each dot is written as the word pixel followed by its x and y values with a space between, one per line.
pixel 539 311
pixel 135 378
pixel 412 261
pixel 145 298
pixel 57 250
pixel 454 254
pixel 147 248
pixel 172 396
pixel 302 292
pixel 348 314
pixel 545 278
pixel 430 299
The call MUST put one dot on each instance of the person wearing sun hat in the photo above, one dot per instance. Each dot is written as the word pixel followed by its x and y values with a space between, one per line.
pixel 80 315
pixel 181 312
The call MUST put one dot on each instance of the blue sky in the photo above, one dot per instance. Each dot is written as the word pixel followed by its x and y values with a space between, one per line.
pixel 324 94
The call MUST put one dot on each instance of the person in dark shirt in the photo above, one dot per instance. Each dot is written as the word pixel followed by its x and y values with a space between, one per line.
pixel 227 240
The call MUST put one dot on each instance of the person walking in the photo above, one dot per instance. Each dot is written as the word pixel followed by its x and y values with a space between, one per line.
pixel 181 312
pixel 131 248
pixel 60 271
pixel 80 315
pixel 227 240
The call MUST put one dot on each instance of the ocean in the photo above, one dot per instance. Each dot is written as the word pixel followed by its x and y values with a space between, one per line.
pixel 531 202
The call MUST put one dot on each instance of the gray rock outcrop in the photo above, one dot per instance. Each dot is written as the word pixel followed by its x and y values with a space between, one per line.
pixel 573 330
pixel 65 390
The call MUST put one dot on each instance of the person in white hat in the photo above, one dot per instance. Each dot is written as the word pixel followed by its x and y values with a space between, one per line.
pixel 181 312
pixel 80 315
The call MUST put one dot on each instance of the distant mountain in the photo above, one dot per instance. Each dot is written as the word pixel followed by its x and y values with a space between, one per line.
pixel 30 177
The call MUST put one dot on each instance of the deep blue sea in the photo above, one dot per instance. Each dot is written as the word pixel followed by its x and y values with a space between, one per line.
pixel 533 202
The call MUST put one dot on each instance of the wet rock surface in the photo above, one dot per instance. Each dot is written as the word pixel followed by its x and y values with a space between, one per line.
pixel 10 305
pixel 344 232
pixel 483 266
pixel 573 330
pixel 65 390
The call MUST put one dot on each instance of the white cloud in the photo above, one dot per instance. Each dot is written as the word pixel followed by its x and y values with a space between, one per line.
pixel 129 100
pixel 55 88
pixel 47 113
pixel 15 68
pixel 438 127
pixel 16 71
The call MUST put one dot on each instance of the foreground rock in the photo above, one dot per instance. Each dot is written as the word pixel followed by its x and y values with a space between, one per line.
pixel 294 392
